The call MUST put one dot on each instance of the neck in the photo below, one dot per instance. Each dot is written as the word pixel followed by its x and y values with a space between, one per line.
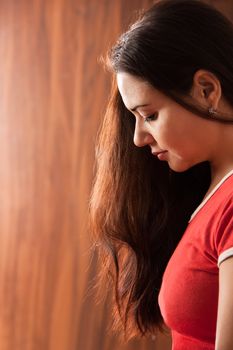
pixel 222 161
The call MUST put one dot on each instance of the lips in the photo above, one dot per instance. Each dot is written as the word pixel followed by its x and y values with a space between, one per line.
pixel 158 152
pixel 161 155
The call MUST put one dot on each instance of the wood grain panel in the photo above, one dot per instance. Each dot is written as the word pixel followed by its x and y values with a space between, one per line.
pixel 52 96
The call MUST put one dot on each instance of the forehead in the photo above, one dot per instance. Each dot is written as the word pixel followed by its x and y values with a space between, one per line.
pixel 135 91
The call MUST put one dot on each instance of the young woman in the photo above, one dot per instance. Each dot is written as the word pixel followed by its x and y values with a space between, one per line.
pixel 162 202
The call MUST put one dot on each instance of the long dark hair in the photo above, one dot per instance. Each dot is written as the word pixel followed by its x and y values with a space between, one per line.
pixel 139 208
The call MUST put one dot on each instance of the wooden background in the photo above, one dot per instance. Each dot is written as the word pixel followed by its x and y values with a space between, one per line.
pixel 53 93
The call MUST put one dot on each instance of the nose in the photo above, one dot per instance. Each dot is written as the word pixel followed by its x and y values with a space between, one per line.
pixel 141 135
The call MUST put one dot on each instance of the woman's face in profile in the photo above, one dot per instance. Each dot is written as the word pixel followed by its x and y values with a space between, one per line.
pixel 183 138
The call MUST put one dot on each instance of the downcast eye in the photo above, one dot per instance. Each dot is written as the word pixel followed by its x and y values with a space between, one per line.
pixel 151 117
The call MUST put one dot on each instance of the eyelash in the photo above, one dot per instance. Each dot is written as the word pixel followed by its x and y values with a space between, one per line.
pixel 150 118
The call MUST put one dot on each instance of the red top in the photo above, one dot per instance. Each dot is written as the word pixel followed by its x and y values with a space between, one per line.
pixel 188 297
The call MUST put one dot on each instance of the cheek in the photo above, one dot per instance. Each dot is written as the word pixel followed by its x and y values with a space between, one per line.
pixel 177 140
pixel 175 130
pixel 169 134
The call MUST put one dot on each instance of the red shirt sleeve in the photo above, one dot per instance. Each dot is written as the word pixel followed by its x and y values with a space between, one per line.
pixel 224 233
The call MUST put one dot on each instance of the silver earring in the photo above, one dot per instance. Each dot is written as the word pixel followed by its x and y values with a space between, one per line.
pixel 212 111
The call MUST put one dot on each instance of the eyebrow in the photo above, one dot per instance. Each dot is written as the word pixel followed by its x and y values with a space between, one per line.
pixel 136 107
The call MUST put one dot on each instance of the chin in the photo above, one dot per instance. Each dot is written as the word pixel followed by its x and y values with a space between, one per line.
pixel 180 166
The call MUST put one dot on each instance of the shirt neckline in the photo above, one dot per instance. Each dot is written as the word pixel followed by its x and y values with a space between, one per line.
pixel 211 194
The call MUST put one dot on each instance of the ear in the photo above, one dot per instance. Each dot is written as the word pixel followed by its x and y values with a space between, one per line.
pixel 206 88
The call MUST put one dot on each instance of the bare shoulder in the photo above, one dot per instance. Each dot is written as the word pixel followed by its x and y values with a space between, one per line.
pixel 224 333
